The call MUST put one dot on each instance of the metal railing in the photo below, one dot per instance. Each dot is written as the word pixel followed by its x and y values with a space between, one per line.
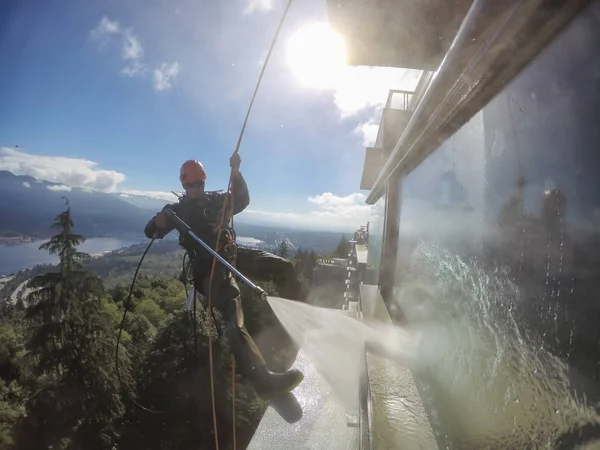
pixel 495 41
pixel 422 86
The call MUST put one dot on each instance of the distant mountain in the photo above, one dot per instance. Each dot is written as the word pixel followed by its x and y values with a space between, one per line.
pixel 323 242
pixel 146 203
pixel 28 206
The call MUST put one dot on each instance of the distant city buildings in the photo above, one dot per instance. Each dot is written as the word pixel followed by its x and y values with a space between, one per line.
pixel 341 277
pixel 361 236
pixel 250 242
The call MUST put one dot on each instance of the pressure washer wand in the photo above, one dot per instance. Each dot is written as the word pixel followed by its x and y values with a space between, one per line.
pixel 185 228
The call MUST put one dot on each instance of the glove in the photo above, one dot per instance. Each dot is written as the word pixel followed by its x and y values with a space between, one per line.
pixel 235 161
pixel 161 220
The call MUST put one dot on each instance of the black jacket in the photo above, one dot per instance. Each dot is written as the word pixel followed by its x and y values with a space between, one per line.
pixel 203 215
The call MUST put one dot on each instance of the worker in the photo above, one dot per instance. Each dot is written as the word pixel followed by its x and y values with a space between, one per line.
pixel 202 210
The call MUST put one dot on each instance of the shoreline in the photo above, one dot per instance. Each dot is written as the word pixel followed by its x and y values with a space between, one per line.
pixel 20 240
pixel 16 240
pixel 100 246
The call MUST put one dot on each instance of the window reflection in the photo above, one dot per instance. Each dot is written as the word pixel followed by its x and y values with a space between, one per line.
pixel 499 258
pixel 376 227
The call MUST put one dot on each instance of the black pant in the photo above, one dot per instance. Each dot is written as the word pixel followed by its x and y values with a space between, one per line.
pixel 225 298
pixel 260 265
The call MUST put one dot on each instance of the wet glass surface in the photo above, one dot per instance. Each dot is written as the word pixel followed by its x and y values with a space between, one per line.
pixel 499 259
pixel 376 226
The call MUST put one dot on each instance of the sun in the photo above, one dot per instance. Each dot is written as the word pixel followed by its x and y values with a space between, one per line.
pixel 316 55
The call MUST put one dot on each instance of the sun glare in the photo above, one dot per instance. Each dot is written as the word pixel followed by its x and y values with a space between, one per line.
pixel 316 55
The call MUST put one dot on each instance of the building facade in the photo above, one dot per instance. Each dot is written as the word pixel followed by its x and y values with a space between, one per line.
pixel 485 227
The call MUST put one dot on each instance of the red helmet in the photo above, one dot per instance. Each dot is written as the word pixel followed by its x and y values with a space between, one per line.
pixel 191 171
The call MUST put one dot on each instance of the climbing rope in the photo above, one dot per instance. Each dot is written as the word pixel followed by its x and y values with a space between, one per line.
pixel 228 205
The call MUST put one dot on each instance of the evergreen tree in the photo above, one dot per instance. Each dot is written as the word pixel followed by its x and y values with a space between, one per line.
pixel 283 250
pixel 12 392
pixel 342 249
pixel 12 397
pixel 72 346
pixel 299 261
pixel 175 377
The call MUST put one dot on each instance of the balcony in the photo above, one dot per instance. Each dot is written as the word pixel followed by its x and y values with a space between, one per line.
pixel 394 118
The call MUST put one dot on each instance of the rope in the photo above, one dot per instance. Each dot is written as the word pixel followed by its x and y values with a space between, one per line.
pixel 233 400
pixel 195 324
pixel 262 72
pixel 121 327
pixel 194 313
pixel 232 355
pixel 229 199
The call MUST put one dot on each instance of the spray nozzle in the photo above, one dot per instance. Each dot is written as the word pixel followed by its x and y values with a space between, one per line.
pixel 261 292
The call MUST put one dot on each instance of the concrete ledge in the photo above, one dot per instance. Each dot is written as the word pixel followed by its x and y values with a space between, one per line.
pixel 326 423
pixel 398 417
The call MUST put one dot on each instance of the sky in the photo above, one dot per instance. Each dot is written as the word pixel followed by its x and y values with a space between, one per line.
pixel 115 96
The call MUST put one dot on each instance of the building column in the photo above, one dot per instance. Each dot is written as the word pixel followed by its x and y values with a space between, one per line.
pixel 387 274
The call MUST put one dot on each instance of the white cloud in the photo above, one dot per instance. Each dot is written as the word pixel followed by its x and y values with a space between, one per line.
pixel 253 6
pixel 357 90
pixel 164 76
pixel 134 68
pixel 332 213
pixel 74 172
pixel 132 53
pixel 58 187
pixel 366 88
pixel 132 49
pixel 316 56
pixel 157 195
pixel 368 131
pixel 105 29
pixel 108 31
pixel 349 207
pixel 71 173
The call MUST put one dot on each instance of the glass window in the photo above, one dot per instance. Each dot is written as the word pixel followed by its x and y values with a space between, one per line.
pixel 376 229
pixel 499 258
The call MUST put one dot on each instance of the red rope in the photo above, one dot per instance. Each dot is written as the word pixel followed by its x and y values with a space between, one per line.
pixel 228 199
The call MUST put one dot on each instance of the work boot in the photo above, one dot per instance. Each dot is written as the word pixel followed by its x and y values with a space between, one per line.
pixel 267 383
